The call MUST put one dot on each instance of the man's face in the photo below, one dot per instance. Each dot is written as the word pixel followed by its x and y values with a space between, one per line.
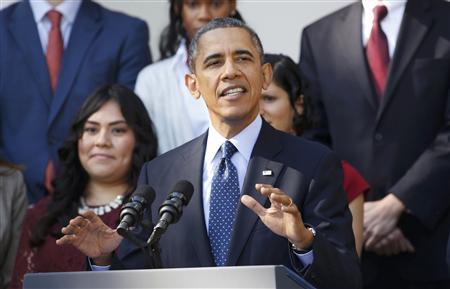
pixel 229 76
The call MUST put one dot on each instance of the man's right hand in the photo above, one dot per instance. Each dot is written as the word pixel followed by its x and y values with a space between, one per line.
pixel 393 244
pixel 91 236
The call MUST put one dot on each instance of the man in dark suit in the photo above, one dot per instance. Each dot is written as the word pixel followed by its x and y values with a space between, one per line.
pixel 305 222
pixel 52 55
pixel 380 94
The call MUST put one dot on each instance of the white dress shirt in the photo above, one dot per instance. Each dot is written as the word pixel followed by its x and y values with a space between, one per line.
pixel 177 116
pixel 390 24
pixel 68 9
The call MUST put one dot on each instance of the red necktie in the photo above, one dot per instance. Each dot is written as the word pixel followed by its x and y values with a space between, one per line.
pixel 55 47
pixel 377 51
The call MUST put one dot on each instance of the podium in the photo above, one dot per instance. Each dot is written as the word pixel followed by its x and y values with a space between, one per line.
pixel 268 277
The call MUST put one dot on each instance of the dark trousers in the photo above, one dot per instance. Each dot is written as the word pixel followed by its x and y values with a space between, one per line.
pixel 383 273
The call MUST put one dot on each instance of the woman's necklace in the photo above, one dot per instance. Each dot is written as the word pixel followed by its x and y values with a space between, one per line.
pixel 103 209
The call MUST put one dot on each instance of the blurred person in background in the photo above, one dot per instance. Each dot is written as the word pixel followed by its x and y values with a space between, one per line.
pixel 377 74
pixel 110 140
pixel 13 206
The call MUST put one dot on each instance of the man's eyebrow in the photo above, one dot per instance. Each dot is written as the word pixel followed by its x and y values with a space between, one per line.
pixel 212 56
pixel 243 52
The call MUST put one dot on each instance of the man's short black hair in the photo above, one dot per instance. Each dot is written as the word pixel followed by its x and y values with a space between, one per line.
pixel 224 22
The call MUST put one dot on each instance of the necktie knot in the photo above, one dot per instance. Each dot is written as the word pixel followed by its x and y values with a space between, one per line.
pixel 228 150
pixel 379 12
pixel 54 17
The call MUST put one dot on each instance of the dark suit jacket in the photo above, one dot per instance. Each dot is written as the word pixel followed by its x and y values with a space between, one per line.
pixel 401 145
pixel 104 47
pixel 307 171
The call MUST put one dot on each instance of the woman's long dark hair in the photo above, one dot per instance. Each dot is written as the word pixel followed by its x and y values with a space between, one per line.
pixel 72 179
pixel 287 76
pixel 172 34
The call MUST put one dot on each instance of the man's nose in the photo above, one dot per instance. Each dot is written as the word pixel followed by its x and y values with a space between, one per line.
pixel 230 70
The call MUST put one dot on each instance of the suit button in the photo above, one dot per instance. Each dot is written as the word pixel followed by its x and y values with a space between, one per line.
pixel 378 137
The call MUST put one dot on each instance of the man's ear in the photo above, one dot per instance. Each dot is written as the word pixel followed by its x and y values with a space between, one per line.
pixel 191 83
pixel 267 75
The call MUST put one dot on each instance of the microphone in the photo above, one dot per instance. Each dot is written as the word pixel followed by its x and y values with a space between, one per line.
pixel 171 209
pixel 131 213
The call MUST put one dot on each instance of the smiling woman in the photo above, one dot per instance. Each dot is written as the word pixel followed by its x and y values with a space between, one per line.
pixel 106 145
pixel 110 140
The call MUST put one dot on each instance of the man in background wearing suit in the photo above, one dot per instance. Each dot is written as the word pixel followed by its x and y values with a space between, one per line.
pixel 52 55
pixel 240 164
pixel 378 74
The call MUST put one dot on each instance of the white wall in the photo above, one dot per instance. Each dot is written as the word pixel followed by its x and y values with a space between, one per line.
pixel 278 22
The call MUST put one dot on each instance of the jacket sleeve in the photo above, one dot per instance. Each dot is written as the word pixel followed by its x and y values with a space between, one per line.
pixel 425 187
pixel 335 264
pixel 135 54
pixel 311 91
pixel 19 209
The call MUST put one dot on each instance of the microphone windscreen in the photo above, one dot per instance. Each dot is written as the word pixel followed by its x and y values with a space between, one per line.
pixel 184 187
pixel 145 191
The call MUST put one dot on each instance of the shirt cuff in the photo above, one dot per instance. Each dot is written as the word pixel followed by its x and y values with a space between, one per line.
pixel 305 258
pixel 97 267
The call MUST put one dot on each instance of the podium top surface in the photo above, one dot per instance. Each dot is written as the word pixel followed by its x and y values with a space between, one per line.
pixel 205 277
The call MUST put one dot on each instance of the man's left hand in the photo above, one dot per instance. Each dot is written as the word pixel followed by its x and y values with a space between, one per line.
pixel 283 216
pixel 380 218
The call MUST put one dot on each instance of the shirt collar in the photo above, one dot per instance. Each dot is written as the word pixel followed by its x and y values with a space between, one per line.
pixel 68 9
pixel 243 141
pixel 391 5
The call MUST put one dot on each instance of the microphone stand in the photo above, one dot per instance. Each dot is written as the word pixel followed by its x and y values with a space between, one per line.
pixel 154 251
pixel 151 247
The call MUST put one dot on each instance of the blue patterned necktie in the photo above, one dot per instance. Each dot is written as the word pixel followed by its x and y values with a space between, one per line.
pixel 223 204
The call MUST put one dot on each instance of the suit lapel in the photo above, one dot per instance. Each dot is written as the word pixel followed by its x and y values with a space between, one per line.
pixel 24 30
pixel 192 170
pixel 416 22
pixel 266 147
pixel 85 28
pixel 353 51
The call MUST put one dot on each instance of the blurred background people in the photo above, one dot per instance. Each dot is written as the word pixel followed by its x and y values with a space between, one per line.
pixel 59 51
pixel 178 117
pixel 377 73
pixel 284 107
pixel 110 139
pixel 13 206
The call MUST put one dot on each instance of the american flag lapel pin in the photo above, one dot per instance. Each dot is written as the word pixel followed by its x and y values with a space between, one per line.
pixel 267 173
